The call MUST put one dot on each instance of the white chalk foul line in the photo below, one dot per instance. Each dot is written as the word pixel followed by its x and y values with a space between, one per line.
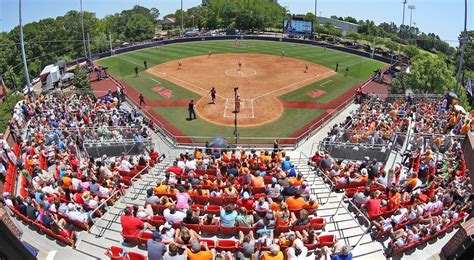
pixel 291 85
pixel 325 83
pixel 155 80
pixel 188 83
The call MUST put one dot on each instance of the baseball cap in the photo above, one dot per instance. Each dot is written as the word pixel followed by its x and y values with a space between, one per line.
pixel 156 235
pixel 196 246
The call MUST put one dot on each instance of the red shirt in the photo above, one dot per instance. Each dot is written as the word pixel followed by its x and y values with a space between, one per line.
pixel 247 204
pixel 174 169
pixel 131 226
pixel 78 198
pixel 373 206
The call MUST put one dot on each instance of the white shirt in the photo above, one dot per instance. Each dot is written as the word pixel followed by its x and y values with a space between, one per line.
pixel 292 256
pixel 181 164
pixel 125 165
pixel 178 216
pixel 76 215
pixel 3 170
pixel 104 191
pixel 191 164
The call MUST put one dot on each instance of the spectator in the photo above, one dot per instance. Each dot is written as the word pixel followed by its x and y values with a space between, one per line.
pixel 191 218
pixel 296 202
pixel 273 254
pixel 297 251
pixel 132 226
pixel 243 219
pixel 172 252
pixel 173 215
pixel 245 202
pixel 155 247
pixel 228 216
pixel 196 252
pixel 182 199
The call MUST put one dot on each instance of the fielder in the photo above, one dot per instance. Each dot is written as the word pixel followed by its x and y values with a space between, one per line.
pixel 179 64
pixel 306 68
pixel 240 63
pixel 282 54
pixel 209 54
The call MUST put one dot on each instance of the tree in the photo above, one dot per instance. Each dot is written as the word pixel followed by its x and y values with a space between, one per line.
pixel 80 80
pixel 391 45
pixel 428 75
pixel 353 35
pixel 139 28
pixel 350 19
pixel 410 51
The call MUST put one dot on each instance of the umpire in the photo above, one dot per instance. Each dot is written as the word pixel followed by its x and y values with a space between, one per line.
pixel 192 113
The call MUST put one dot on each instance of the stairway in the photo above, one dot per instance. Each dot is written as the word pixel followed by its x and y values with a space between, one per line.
pixel 340 222
pixel 106 230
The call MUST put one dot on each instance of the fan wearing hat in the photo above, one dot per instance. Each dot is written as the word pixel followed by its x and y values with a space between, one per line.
pixel 155 247
pixel 297 251
pixel 246 202
pixel 196 251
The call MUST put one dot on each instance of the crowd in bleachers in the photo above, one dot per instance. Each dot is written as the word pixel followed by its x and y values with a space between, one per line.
pixel 61 189
pixel 255 202
pixel 375 122
pixel 425 194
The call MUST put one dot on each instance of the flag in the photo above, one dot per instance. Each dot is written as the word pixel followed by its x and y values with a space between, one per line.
pixel 469 87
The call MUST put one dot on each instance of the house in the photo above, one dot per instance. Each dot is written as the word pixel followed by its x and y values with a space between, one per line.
pixel 168 23
pixel 344 26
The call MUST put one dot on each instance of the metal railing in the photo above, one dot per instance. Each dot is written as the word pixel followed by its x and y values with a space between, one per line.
pixel 349 201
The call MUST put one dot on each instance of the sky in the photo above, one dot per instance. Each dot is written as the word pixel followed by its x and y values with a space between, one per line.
pixel 445 18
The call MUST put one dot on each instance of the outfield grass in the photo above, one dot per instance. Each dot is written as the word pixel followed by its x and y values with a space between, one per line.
pixel 291 120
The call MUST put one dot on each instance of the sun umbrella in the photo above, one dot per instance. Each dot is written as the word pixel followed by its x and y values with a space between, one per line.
pixel 218 142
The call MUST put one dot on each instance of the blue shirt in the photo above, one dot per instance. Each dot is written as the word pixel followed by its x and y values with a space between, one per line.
pixel 228 220
pixel 285 166
pixel 342 257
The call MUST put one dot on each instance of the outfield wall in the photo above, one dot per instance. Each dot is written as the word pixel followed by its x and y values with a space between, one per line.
pixel 242 37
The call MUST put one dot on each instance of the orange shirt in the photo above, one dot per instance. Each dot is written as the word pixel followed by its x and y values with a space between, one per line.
pixel 307 206
pixel 267 256
pixel 67 181
pixel 412 182
pixel 201 255
pixel 294 204
pixel 257 181
pixel 162 189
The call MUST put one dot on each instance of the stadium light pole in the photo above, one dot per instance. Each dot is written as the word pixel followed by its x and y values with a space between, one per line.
pixel 315 16
pixel 23 55
pixel 83 33
pixel 182 17
pixel 463 47
pixel 411 8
